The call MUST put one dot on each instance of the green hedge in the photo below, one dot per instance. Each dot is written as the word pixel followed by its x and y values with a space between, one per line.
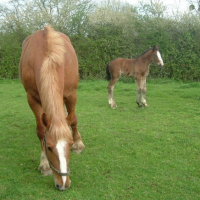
pixel 101 41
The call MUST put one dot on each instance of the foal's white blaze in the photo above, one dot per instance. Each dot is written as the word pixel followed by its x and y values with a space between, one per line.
pixel 61 154
pixel 160 58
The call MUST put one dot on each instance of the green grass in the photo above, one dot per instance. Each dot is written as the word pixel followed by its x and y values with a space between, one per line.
pixel 131 153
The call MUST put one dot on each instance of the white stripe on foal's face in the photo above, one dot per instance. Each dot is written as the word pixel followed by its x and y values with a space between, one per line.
pixel 61 154
pixel 160 58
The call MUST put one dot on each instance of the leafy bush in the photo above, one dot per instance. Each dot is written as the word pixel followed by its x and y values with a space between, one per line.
pixel 104 32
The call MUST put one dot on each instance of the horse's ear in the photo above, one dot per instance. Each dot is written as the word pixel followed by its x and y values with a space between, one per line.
pixel 155 48
pixel 45 120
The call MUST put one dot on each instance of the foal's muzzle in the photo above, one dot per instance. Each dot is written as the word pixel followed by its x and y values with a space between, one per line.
pixel 161 64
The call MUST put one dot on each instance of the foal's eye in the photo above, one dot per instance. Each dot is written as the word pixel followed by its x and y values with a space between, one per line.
pixel 155 56
pixel 50 149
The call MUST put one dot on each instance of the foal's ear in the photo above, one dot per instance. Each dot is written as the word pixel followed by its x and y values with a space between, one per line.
pixel 155 48
pixel 45 120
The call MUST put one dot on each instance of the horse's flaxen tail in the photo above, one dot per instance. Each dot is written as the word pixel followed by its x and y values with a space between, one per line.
pixel 108 72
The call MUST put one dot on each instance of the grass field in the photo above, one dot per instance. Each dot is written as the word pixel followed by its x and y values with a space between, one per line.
pixel 131 153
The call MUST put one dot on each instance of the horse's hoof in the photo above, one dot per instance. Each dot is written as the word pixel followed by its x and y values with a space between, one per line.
pixel 45 172
pixel 45 169
pixel 78 147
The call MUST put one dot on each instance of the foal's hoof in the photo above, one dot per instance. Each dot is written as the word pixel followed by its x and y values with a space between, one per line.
pixel 113 106
pixel 78 147
pixel 140 105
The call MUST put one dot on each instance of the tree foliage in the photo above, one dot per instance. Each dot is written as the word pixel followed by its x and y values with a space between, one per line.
pixel 103 32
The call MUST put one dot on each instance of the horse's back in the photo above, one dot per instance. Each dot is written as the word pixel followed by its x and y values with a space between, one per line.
pixel 121 65
pixel 71 64
pixel 34 52
pixel 27 62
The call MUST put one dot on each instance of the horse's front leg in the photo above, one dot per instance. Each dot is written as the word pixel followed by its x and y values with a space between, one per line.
pixel 78 145
pixel 38 111
pixel 72 120
pixel 144 92
pixel 139 91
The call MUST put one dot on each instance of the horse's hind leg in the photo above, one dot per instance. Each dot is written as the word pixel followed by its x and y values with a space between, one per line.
pixel 144 92
pixel 38 111
pixel 72 120
pixel 110 88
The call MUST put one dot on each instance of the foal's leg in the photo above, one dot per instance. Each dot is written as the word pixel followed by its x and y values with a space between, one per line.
pixel 139 91
pixel 110 88
pixel 72 120
pixel 38 111
pixel 144 92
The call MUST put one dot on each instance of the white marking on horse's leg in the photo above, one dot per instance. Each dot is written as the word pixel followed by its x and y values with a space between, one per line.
pixel 113 105
pixel 61 154
pixel 43 159
pixel 44 165
pixel 66 113
pixel 144 102
pixel 78 145
pixel 160 58
pixel 111 98
pixel 111 94
pixel 144 92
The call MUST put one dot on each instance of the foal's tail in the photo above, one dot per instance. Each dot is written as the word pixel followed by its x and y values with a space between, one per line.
pixel 108 72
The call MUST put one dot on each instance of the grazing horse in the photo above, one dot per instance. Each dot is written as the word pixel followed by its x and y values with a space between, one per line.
pixel 49 73
pixel 137 68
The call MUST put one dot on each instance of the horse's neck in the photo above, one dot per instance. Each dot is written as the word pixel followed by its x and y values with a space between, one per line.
pixel 58 116
pixel 51 93
pixel 146 58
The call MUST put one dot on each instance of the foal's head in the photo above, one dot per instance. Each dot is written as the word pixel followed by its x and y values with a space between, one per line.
pixel 156 56
pixel 57 150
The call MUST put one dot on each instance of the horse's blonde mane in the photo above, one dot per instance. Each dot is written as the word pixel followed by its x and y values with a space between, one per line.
pixel 50 93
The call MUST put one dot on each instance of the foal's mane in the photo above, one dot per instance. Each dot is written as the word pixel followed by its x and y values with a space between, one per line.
pixel 51 95
pixel 155 47
pixel 144 53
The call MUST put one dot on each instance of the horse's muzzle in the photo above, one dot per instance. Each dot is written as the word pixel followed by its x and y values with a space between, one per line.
pixel 62 188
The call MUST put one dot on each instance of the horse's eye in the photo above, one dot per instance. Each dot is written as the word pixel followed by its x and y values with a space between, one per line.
pixel 155 56
pixel 50 149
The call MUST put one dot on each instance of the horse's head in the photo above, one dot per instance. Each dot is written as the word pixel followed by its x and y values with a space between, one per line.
pixel 57 150
pixel 156 56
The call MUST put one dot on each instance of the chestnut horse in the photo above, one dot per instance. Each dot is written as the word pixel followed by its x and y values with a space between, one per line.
pixel 49 73
pixel 137 68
